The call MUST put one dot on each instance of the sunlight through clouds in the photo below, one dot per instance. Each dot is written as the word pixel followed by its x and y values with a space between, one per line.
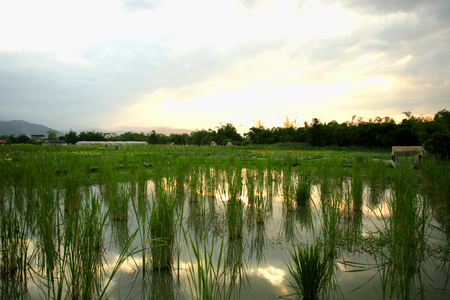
pixel 164 62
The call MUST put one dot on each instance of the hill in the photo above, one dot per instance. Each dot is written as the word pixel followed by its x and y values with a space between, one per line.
pixel 18 127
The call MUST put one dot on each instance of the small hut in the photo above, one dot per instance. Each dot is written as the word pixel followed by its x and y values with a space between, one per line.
pixel 407 154
pixel 229 144
pixel 213 144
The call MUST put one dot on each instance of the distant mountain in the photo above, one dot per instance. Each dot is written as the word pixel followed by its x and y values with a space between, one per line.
pixel 160 129
pixel 18 127
pixel 122 129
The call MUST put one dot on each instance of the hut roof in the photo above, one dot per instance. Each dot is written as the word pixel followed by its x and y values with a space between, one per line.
pixel 229 144
pixel 407 149
pixel 213 143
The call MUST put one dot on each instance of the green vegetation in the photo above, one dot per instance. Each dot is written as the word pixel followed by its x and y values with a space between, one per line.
pixel 376 133
pixel 163 225
pixel 303 193
pixel 310 270
pixel 208 280
pixel 60 206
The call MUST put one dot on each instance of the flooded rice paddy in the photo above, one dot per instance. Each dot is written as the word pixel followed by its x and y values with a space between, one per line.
pixel 382 238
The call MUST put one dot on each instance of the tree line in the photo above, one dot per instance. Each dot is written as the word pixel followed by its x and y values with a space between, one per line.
pixel 373 133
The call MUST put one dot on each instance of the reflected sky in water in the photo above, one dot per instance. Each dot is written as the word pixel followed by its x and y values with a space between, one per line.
pixel 261 255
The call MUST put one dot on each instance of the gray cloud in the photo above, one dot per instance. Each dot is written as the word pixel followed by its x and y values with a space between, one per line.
pixel 37 87
pixel 35 83
pixel 132 6
pixel 423 36
pixel 379 6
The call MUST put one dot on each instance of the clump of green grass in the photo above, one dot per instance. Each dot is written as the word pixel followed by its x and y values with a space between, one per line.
pixel 288 191
pixel 325 178
pixel 250 181
pixel 405 236
pixel 357 185
pixel 332 216
pixel 209 279
pixel 83 243
pixel 437 177
pixel 13 240
pixel 235 206
pixel 194 185
pixel 119 201
pixel 303 192
pixel 310 271
pixel 141 177
pixel 162 222
pixel 72 182
pixel 261 207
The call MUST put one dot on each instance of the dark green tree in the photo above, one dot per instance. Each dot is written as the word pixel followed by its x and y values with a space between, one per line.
pixel 203 137
pixel 439 143
pixel 52 135
pixel 71 137
pixel 227 133
pixel 23 139
pixel 91 136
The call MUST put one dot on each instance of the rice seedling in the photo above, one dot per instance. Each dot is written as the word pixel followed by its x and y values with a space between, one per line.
pixel 157 173
pixel 162 229
pixel 120 233
pixel 260 198
pixel 376 174
pixel 14 240
pixel 303 192
pixel 331 216
pixel 250 185
pixel 405 236
pixel 288 226
pixel 194 185
pixel 197 219
pixel 72 183
pixel 288 191
pixel 408 220
pixel 352 230
pixel 436 174
pixel 234 206
pixel 48 223
pixel 235 264
pixel 310 271
pixel 208 279
pixel 82 254
pixel 304 217
pixel 141 211
pixel 119 201
pixel 141 175
pixel 325 178
pixel 357 186
pixel 261 207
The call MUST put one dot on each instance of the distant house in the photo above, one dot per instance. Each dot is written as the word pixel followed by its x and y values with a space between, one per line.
pixel 54 143
pixel 37 137
pixel 109 135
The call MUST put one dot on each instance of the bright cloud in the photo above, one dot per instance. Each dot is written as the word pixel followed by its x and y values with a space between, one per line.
pixel 191 64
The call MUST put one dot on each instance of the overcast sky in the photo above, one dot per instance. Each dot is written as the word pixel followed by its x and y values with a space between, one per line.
pixel 190 64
